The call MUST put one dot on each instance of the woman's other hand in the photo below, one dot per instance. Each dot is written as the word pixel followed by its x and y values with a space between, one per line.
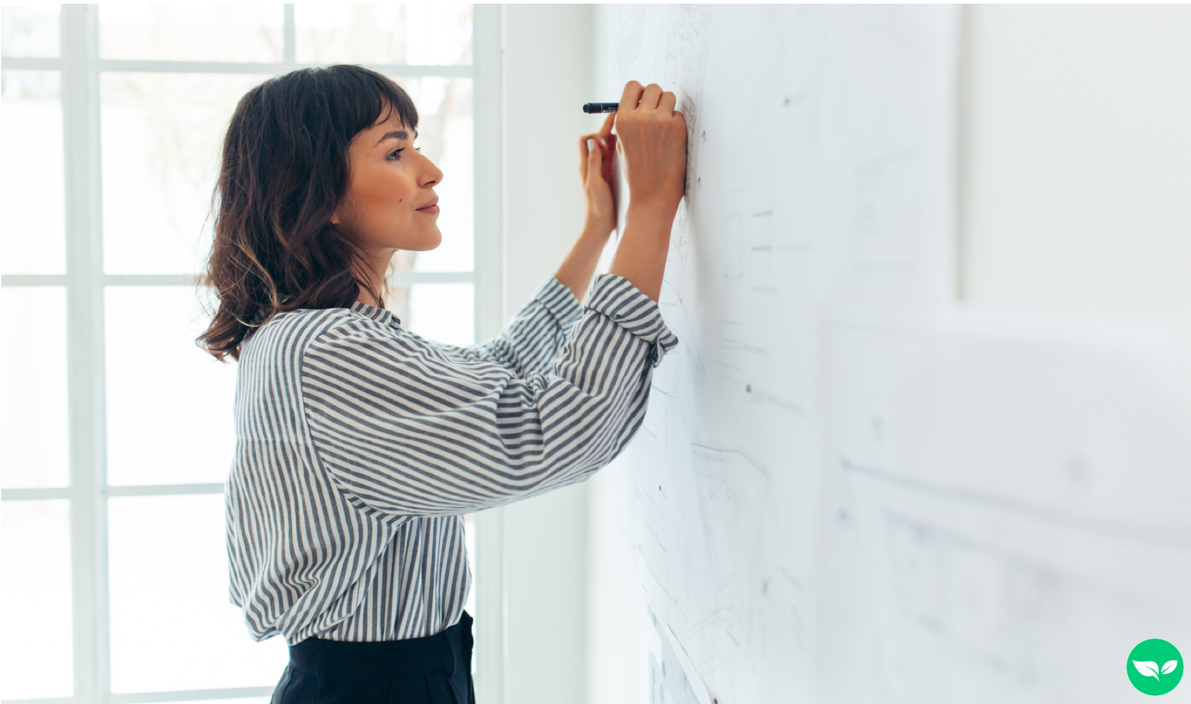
pixel 595 173
pixel 653 144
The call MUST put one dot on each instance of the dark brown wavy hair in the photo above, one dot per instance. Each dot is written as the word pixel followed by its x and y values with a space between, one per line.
pixel 284 171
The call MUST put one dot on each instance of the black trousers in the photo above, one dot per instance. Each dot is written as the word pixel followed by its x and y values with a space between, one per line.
pixel 431 670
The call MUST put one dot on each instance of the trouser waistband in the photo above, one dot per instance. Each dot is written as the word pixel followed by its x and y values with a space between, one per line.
pixel 441 652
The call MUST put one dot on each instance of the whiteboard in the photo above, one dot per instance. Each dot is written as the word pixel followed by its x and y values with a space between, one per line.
pixel 847 487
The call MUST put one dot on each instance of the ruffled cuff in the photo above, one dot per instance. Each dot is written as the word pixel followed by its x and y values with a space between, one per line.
pixel 559 300
pixel 617 298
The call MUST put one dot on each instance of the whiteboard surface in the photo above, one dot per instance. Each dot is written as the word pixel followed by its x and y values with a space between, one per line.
pixel 847 488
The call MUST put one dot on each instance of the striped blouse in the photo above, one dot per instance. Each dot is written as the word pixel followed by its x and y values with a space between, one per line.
pixel 360 445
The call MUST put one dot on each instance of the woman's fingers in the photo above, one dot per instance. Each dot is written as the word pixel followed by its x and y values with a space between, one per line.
pixel 667 102
pixel 635 96
pixel 630 96
pixel 584 153
pixel 582 156
pixel 651 95
pixel 606 130
pixel 595 160
pixel 604 142
pixel 610 147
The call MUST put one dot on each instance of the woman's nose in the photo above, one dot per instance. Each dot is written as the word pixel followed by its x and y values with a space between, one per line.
pixel 431 174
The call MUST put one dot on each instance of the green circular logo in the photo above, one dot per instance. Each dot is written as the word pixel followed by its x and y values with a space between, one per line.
pixel 1154 666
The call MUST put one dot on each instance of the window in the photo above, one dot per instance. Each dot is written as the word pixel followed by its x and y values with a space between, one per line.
pixel 113 117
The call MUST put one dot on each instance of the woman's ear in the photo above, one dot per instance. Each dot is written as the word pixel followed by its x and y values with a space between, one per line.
pixel 344 214
pixel 340 211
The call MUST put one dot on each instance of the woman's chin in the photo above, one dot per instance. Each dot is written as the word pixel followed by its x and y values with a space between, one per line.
pixel 424 245
pixel 435 244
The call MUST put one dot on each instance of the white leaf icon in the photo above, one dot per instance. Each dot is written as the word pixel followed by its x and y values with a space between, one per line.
pixel 1170 666
pixel 1147 668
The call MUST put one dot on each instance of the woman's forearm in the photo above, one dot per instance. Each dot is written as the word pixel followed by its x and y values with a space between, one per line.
pixel 580 263
pixel 641 255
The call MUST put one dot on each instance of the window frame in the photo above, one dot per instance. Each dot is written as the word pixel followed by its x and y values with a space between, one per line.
pixel 85 282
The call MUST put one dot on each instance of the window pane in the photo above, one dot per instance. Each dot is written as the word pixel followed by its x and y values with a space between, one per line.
pixel 36 449
pixel 169 600
pixel 30 29
pixel 431 33
pixel 169 403
pixel 191 32
pixel 36 659
pixel 34 221
pixel 439 312
pixel 161 140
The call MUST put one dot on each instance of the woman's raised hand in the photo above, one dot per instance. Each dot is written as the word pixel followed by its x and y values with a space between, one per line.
pixel 595 173
pixel 653 146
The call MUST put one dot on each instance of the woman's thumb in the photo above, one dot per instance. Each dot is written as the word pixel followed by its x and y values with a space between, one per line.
pixel 594 155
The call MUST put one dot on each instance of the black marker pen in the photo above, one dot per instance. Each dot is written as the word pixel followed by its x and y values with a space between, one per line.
pixel 600 107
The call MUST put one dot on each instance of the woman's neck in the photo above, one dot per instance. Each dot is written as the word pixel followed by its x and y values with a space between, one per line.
pixel 379 265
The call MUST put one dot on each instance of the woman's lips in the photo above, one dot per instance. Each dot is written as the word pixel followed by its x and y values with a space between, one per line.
pixel 430 208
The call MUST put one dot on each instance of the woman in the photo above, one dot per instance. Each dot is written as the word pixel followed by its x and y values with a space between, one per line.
pixel 360 445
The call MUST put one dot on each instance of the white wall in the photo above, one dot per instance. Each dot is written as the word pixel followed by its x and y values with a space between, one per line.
pixel 548 59
pixel 1075 193
pixel 548 68
pixel 1076 167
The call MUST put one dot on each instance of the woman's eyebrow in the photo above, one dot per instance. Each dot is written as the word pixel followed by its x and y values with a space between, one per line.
pixel 397 134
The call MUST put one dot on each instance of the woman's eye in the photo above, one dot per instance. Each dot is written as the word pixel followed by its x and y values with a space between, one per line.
pixel 397 154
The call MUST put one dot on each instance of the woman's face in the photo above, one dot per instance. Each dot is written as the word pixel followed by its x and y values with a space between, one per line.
pixel 390 201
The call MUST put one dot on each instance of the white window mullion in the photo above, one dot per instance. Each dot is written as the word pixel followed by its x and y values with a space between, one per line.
pixel 488 119
pixel 397 278
pixel 30 63
pixel 85 350
pixel 33 280
pixel 226 67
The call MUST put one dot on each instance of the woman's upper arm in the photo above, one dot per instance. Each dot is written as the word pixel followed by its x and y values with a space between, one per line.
pixel 412 431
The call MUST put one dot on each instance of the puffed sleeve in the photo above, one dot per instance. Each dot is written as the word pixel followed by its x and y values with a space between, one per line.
pixel 533 337
pixel 405 429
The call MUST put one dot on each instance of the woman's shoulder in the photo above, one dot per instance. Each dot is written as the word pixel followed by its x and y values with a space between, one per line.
pixel 296 330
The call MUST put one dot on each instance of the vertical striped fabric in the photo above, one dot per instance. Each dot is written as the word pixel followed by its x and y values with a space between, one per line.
pixel 360 445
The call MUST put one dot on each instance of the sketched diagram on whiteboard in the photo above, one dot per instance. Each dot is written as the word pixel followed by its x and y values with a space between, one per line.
pixel 838 465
